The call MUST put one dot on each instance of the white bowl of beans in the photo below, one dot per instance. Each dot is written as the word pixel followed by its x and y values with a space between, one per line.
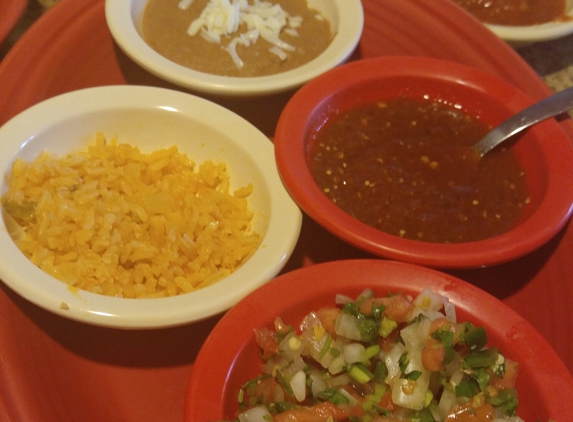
pixel 236 48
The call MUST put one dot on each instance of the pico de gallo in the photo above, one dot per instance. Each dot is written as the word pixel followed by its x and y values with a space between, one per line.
pixel 380 359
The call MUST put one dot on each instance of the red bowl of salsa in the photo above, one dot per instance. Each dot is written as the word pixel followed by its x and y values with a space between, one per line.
pixel 377 152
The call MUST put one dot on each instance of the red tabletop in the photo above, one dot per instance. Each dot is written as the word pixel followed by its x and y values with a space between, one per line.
pixel 53 369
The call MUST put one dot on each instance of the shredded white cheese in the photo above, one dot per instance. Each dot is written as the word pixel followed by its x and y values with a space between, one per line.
pixel 292 32
pixel 184 4
pixel 277 51
pixel 262 19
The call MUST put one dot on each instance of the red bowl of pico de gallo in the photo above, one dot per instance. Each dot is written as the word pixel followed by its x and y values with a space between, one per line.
pixel 400 342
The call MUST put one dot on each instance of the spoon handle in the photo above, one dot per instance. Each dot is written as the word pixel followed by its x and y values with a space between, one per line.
pixel 551 106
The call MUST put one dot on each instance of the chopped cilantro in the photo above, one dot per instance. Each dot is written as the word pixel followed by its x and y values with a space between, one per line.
pixel 380 371
pixel 447 339
pixel 414 375
pixel 283 383
pixel 475 338
pixel 333 396
pixel 368 329
pixel 352 309
pixel 481 376
pixel 467 388
pixel 280 407
pixel 481 359
pixel 506 399
pixel 377 311
pixel 403 362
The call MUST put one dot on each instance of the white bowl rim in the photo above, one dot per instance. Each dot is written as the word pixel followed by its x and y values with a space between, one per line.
pixel 520 35
pixel 534 33
pixel 95 309
pixel 123 29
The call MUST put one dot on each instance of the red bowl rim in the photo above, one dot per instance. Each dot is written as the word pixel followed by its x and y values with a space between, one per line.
pixel 540 227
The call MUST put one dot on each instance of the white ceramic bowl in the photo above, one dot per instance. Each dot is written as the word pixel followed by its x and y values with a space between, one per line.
pixel 346 17
pixel 519 36
pixel 151 118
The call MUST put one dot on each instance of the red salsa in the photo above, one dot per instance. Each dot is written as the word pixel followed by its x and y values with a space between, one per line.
pixel 404 167
pixel 515 12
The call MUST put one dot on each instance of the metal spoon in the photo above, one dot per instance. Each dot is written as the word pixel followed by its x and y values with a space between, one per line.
pixel 544 109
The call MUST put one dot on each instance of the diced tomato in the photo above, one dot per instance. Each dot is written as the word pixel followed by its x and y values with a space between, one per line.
pixel 357 410
pixel 433 355
pixel 440 324
pixel 317 413
pixel 398 307
pixel 468 413
pixel 328 317
pixel 267 340
pixel 509 378
pixel 387 343
pixel 386 402
pixel 266 390
pixel 366 306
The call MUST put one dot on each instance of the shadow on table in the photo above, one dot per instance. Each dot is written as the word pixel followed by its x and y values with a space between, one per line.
pixel 506 279
pixel 180 345
pixel 317 245
pixel 127 348
pixel 262 111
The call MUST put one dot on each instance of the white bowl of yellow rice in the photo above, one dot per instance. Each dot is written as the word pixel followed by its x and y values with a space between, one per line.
pixel 139 207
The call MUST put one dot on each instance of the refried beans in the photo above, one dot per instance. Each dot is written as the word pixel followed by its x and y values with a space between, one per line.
pixel 165 27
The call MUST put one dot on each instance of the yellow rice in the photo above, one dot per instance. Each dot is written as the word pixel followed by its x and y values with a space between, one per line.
pixel 115 221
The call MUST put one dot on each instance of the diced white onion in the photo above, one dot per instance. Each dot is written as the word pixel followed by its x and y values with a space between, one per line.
pixel 296 365
pixel 341 299
pixel 416 334
pixel 336 365
pixel 410 400
pixel 456 377
pixel 318 383
pixel 298 385
pixel 347 326
pixel 429 300
pixel 392 361
pixel 256 414
pixel 415 361
pixel 308 322
pixel 366 294
pixel 433 315
pixel 444 405
pixel 354 352
pixel 450 310
pixel 291 346
pixel 340 380
pixel 351 400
